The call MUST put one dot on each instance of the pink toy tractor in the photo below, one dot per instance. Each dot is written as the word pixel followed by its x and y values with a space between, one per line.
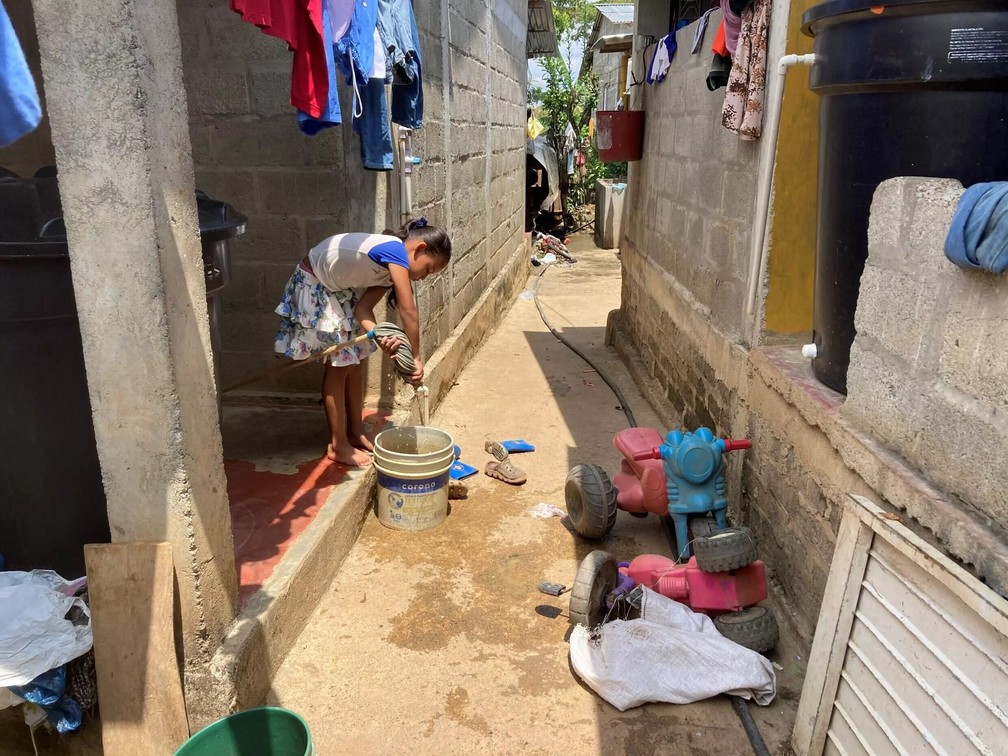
pixel 730 599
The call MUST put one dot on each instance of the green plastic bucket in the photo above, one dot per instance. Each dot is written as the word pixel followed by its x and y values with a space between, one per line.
pixel 268 731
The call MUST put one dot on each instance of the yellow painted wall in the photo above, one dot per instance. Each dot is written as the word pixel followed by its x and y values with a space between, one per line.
pixel 791 264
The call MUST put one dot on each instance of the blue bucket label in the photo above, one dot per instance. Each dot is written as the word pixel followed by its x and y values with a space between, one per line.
pixel 410 486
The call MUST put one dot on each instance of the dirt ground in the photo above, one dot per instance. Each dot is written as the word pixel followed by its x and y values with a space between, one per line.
pixel 438 641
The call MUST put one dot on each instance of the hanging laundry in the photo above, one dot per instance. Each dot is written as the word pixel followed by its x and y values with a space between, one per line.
pixel 396 17
pixel 20 109
pixel 330 114
pixel 569 145
pixel 372 126
pixel 743 105
pixel 700 31
pixel 300 26
pixel 356 48
pixel 732 20
pixel 720 69
pixel 718 46
pixel 665 51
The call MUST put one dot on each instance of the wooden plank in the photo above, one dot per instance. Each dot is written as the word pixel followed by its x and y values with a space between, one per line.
pixel 131 588
pixel 832 630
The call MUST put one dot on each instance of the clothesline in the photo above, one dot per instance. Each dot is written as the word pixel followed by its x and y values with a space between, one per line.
pixel 370 43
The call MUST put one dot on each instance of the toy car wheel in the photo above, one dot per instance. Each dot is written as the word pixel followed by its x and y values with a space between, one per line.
pixel 755 628
pixel 725 550
pixel 591 501
pixel 597 578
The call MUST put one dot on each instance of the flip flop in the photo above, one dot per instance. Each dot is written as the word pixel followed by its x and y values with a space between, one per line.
pixel 518 446
pixel 497 450
pixel 505 471
pixel 460 470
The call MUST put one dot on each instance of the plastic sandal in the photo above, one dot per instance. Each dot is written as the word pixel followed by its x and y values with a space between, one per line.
pixel 518 446
pixel 497 450
pixel 505 471
pixel 460 470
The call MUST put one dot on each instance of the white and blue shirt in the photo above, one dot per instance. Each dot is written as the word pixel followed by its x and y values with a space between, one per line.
pixel 357 261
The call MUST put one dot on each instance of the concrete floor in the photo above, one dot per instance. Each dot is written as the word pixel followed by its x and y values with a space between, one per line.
pixel 439 639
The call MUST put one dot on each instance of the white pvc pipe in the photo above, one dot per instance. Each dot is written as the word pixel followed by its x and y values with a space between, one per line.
pixel 757 252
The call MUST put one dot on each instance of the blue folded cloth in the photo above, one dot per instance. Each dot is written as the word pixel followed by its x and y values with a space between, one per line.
pixel 978 237
pixel 20 109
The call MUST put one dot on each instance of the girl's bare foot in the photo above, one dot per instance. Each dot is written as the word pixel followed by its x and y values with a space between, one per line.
pixel 348 455
pixel 360 440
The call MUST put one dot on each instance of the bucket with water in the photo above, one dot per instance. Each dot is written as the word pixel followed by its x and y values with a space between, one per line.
pixel 412 465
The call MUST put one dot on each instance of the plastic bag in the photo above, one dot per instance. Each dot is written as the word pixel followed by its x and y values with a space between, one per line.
pixel 543 511
pixel 534 127
pixel 35 635
pixel 48 691
pixel 671 654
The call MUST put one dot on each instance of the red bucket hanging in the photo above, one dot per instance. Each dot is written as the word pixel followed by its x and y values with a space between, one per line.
pixel 619 135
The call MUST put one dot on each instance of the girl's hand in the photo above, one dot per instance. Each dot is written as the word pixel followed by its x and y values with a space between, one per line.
pixel 418 372
pixel 389 344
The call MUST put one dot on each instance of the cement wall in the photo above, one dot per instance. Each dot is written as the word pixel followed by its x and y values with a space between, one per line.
pixel 929 365
pixel 682 326
pixel 297 190
pixel 692 194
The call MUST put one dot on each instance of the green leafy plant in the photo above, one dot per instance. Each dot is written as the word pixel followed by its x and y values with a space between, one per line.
pixel 565 100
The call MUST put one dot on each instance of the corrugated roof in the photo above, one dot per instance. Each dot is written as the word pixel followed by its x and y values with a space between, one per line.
pixel 618 13
pixel 541 39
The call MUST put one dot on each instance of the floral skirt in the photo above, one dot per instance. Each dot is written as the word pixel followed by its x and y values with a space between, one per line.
pixel 314 319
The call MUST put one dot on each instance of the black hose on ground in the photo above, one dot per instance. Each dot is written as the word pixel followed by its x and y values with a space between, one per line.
pixel 602 374
pixel 749 725
pixel 741 709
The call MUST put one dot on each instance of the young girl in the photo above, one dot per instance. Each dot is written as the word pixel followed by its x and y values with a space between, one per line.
pixel 330 299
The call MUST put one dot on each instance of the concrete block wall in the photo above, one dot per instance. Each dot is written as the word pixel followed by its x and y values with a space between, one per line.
pixel 929 366
pixel 297 190
pixel 693 191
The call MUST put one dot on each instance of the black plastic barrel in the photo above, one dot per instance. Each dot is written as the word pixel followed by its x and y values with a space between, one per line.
pixel 51 497
pixel 52 501
pixel 907 88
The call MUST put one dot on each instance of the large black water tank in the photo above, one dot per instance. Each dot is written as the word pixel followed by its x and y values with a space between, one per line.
pixel 52 501
pixel 51 496
pixel 907 88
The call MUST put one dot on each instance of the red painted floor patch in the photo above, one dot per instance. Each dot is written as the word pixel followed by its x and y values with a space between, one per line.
pixel 269 511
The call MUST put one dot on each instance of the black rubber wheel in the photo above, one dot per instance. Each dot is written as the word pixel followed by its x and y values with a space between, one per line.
pixel 597 577
pixel 726 550
pixel 591 501
pixel 755 628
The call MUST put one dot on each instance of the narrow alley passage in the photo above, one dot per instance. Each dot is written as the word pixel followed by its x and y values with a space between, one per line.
pixel 438 641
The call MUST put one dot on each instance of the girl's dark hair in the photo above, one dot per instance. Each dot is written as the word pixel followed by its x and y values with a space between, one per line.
pixel 436 239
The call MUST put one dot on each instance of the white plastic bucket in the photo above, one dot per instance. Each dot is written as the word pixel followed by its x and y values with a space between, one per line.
pixel 412 465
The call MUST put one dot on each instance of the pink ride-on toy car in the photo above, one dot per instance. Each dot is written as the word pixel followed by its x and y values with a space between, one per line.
pixel 682 478
pixel 730 599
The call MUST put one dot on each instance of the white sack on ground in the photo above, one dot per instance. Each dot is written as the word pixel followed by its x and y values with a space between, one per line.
pixel 35 635
pixel 671 654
